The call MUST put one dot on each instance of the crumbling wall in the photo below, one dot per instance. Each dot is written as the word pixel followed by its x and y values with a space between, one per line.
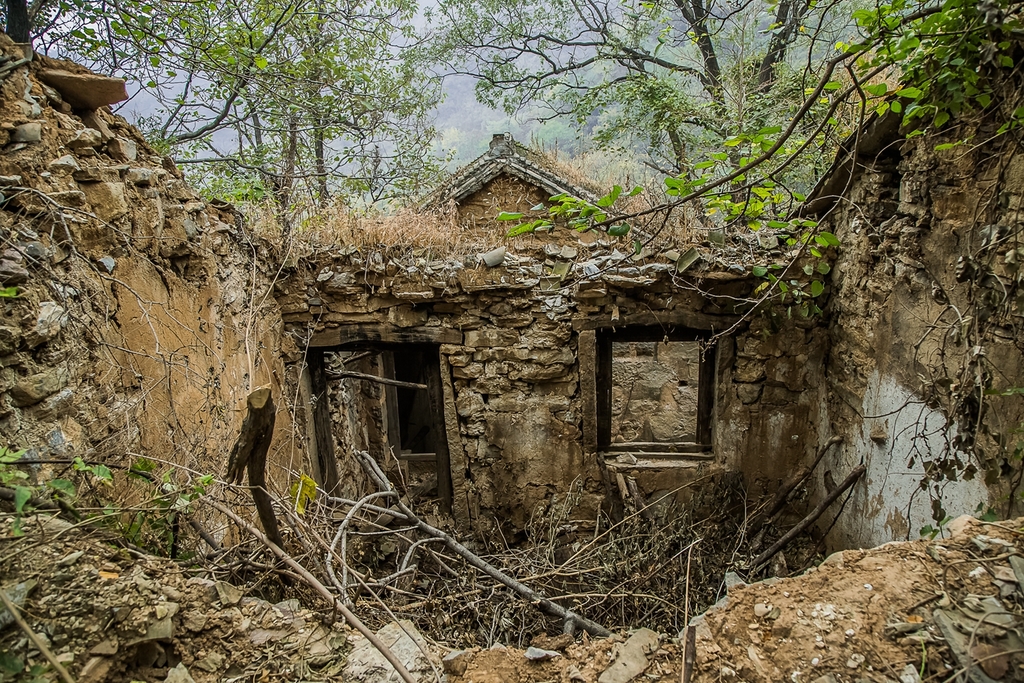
pixel 925 324
pixel 520 387
pixel 142 317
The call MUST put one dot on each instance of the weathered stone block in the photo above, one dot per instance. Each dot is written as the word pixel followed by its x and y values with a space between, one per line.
pixel 469 403
pixel 28 132
pixel 407 316
pixel 123 150
pixel 491 337
pixel 87 138
pixel 471 371
pixel 536 373
pixel 748 393
pixel 106 199
pixel 35 388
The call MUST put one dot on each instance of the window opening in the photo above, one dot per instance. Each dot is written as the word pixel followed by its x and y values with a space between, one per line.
pixel 655 391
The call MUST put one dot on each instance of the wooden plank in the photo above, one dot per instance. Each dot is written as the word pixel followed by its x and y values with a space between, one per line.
pixel 435 392
pixel 418 457
pixel 604 391
pixel 654 464
pixel 346 335
pixel 456 451
pixel 694 320
pixel 394 427
pixel 306 399
pixel 587 350
pixel 322 425
pixel 706 394
pixel 647 447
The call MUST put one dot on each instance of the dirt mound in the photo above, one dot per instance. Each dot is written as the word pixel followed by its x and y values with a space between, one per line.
pixel 110 614
pixel 900 613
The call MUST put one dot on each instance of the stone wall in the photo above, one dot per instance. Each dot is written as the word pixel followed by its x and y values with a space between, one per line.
pixel 520 384
pixel 925 326
pixel 142 318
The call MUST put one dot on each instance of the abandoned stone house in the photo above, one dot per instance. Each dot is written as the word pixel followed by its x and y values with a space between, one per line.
pixel 569 369
pixel 562 369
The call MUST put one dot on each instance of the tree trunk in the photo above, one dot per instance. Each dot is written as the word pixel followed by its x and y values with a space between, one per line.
pixel 17 21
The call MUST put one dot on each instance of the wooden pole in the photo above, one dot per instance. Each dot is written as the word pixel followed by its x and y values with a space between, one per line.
pixel 809 519
pixel 322 431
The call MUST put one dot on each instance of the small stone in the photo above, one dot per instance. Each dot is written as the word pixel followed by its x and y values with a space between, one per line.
pixel 143 177
pixel 455 662
pixel 12 273
pixel 195 621
pixel 87 138
pixel 95 670
pixel 17 594
pixel 9 337
pixel 228 594
pixel 493 258
pixel 71 198
pixel 762 610
pixel 536 654
pixel 854 661
pixel 107 200
pixel 123 150
pixel 106 648
pixel 69 560
pixel 108 263
pixel 28 132
pixel 10 180
pixel 52 317
pixel 179 674
pixel 211 662
pixel 64 164
pixel 568 252
pixel 35 388
pixel 162 629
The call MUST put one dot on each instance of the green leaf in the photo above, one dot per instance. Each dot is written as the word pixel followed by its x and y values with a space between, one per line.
pixel 940 119
pixel 817 287
pixel 877 90
pixel 703 165
pixel 824 268
pixel 62 486
pixel 759 271
pixel 506 216
pixel 809 269
pixel 21 496
pixel 102 472
pixel 620 230
pixel 909 93
pixel 833 85
pixel 523 228
pixel 8 292
pixel 635 191
pixel 610 198
pixel 260 61
pixel 830 239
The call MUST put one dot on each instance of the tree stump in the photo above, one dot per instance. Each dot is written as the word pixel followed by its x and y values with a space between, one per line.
pixel 249 454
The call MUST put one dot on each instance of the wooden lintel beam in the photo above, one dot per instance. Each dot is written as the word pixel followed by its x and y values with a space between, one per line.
pixel 685 319
pixel 385 334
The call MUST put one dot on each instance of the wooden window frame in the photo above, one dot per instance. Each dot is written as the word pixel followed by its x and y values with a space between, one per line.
pixel 323 432
pixel 705 389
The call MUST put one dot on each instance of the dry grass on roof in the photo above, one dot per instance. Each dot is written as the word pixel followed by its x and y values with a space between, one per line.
pixel 440 235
